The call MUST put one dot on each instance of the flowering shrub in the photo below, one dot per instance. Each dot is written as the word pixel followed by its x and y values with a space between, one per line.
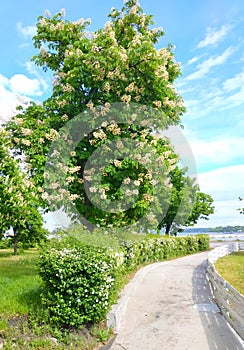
pixel 82 279
pixel 79 283
pixel 156 248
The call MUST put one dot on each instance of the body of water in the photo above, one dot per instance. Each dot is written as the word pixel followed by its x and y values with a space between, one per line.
pixel 217 235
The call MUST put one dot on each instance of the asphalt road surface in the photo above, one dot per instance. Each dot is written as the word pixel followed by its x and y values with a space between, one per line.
pixel 169 305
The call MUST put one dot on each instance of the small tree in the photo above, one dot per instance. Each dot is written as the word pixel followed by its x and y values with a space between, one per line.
pixel 202 208
pixel 18 200
pixel 187 203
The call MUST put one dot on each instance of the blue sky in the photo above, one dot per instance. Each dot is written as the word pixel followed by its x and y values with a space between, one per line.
pixel 208 36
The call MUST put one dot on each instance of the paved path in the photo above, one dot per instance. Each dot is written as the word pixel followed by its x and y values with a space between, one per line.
pixel 169 306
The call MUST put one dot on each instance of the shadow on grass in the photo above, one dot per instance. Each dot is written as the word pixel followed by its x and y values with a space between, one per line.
pixel 32 299
pixel 239 253
pixel 5 253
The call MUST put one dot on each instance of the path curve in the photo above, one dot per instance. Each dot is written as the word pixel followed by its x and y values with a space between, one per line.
pixel 169 306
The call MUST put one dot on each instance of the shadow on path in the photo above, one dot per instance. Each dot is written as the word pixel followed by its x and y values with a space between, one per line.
pixel 218 333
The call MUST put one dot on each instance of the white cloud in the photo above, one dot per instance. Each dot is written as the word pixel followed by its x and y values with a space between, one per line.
pixel 225 214
pixel 193 59
pixel 22 85
pixel 240 121
pixel 34 70
pixel 8 103
pixel 225 185
pixel 232 101
pixel 3 80
pixel 14 90
pixel 217 152
pixel 213 36
pixel 216 96
pixel 234 83
pixel 204 67
pixel 28 31
pixel 24 45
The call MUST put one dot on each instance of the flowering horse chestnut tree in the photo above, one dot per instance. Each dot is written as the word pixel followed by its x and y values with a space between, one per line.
pixel 95 75
pixel 18 200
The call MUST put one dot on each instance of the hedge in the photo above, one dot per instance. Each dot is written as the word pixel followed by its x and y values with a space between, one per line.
pixel 81 277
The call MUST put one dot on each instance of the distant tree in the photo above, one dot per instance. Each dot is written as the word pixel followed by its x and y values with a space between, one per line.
pixel 241 210
pixel 202 208
pixel 18 200
pixel 187 203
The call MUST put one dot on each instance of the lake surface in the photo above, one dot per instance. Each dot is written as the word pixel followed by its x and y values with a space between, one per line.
pixel 217 235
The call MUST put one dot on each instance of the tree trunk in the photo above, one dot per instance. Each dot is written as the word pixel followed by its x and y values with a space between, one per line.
pixel 167 228
pixel 89 226
pixel 15 241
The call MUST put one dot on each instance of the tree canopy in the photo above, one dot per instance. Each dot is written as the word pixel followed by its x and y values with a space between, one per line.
pixel 18 200
pixel 95 143
pixel 187 203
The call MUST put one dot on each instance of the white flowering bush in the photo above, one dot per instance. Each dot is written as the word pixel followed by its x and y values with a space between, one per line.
pixel 79 284
pixel 153 248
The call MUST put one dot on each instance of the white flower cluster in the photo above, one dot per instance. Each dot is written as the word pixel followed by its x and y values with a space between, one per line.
pixel 129 193
pixel 58 26
pixel 126 181
pixel 161 72
pixel 169 103
pixel 148 197
pixel 134 9
pixel 26 142
pixel 99 135
pixel 157 104
pixel 79 22
pixel 126 98
pixel 73 170
pixel 117 163
pixel 52 135
pixel 18 120
pixel 67 88
pixel 114 128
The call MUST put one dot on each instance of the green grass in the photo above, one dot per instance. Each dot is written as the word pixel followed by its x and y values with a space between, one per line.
pixel 19 283
pixel 231 268
pixel 23 320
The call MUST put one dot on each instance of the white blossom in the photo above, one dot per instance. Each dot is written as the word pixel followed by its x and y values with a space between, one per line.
pixel 126 181
pixel 126 98
pixel 93 189
pixel 26 142
pixel 47 13
pixel 103 196
pixel 120 144
pixel 158 104
pixel 117 163
pixel 73 197
pixel 63 12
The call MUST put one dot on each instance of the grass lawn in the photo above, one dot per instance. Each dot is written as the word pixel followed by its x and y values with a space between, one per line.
pixel 23 321
pixel 231 268
pixel 19 283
